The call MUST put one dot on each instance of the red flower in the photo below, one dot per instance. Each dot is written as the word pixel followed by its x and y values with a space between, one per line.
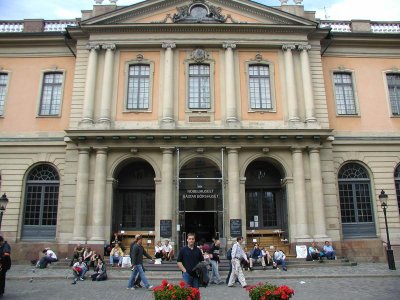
pixel 182 284
pixel 164 282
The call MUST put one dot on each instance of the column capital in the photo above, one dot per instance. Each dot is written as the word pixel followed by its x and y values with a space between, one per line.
pixel 297 149
pixel 233 149
pixel 314 149
pixel 168 45
pixel 101 150
pixel 167 150
pixel 108 46
pixel 93 46
pixel 304 47
pixel 84 149
pixel 228 45
pixel 288 47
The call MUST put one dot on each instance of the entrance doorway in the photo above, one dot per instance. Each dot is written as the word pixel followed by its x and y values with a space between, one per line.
pixel 200 200
pixel 201 223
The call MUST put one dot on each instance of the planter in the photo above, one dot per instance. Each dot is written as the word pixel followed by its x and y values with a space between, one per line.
pixel 268 291
pixel 169 291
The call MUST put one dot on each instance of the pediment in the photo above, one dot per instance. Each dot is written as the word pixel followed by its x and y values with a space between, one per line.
pixel 198 12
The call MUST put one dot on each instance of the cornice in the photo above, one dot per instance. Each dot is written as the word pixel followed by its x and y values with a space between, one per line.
pixel 238 28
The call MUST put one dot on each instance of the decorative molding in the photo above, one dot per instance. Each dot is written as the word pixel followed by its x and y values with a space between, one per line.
pixel 108 46
pixel 258 57
pixel 91 46
pixel 227 45
pixel 199 55
pixel 167 45
pixel 140 57
pixel 305 47
pixel 198 12
pixel 288 47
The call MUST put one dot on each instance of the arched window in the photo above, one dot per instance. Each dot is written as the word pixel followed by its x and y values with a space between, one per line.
pixel 355 202
pixel 41 203
pixel 397 184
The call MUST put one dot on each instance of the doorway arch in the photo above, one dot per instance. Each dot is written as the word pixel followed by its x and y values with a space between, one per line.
pixel 265 196
pixel 200 199
pixel 134 197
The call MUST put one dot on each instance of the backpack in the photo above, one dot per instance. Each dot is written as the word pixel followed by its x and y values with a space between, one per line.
pixel 229 254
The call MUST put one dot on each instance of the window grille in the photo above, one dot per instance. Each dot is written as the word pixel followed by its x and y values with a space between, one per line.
pixel 260 87
pixel 345 99
pixel 393 81
pixel 51 94
pixel 199 86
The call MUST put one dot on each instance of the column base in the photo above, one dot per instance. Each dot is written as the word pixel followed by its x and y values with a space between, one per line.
pixel 78 240
pixel 311 120
pixel 322 237
pixel 86 122
pixel 304 239
pixel 167 123
pixel 294 119
pixel 104 121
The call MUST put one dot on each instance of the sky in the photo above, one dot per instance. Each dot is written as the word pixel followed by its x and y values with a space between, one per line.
pixel 382 10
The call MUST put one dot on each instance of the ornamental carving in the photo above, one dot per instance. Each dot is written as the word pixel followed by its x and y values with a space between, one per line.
pixel 199 55
pixel 198 12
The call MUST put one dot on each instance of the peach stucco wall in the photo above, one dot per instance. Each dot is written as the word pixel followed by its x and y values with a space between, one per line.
pixel 23 97
pixel 371 94
pixel 249 56
pixel 121 114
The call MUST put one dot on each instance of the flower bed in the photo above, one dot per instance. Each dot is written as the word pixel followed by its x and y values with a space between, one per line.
pixel 168 291
pixel 268 291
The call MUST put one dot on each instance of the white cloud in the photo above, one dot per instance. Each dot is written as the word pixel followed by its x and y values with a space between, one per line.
pixel 362 9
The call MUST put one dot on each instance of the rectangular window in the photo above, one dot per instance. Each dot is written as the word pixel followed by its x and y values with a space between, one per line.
pixel 393 81
pixel 138 87
pixel 3 90
pixel 260 87
pixel 51 94
pixel 345 100
pixel 199 87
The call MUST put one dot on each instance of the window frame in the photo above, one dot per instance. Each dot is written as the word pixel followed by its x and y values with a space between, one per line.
pixel 271 68
pixel 353 84
pixel 128 64
pixel 211 64
pixel 396 176
pixel 386 73
pixel 8 73
pixel 41 88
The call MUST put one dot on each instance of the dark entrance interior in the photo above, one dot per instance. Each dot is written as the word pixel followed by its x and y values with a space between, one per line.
pixel 201 223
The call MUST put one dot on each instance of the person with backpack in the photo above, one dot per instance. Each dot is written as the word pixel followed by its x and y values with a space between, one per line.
pixel 5 263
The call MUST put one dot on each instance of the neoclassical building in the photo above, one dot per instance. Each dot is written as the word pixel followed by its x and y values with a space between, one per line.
pixel 219 117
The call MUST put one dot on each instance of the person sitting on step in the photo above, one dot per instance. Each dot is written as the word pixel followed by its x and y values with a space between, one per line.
pixel 328 250
pixel 256 256
pixel 314 252
pixel 116 255
pixel 168 251
pixel 279 258
pixel 79 270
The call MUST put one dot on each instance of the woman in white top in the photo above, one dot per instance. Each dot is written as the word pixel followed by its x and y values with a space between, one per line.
pixel 158 250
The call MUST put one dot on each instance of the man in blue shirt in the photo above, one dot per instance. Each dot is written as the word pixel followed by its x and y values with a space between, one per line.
pixel 188 258
pixel 256 255
pixel 328 250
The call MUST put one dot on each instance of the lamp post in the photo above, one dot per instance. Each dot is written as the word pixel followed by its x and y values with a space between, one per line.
pixel 3 205
pixel 389 252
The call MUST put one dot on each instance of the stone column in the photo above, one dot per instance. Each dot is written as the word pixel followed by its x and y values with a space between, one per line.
pixel 82 194
pixel 307 83
pixel 290 83
pixel 90 85
pixel 166 205
pixel 230 86
pixel 168 89
pixel 299 194
pixel 233 183
pixel 106 95
pixel 317 194
pixel 99 195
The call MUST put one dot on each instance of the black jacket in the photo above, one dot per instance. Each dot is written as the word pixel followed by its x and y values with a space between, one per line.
pixel 200 271
pixel 5 259
pixel 137 254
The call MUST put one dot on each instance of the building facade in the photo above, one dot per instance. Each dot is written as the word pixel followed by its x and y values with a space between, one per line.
pixel 219 117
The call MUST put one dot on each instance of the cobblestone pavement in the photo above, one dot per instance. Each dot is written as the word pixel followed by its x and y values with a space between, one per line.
pixel 308 288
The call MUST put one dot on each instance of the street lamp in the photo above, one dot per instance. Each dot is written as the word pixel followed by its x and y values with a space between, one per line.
pixel 389 252
pixel 3 205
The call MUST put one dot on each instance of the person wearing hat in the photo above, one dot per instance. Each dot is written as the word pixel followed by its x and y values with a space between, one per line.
pixel 49 257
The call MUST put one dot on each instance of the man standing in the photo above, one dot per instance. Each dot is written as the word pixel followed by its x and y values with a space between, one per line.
pixel 237 255
pixel 5 263
pixel 215 277
pixel 137 264
pixel 188 258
